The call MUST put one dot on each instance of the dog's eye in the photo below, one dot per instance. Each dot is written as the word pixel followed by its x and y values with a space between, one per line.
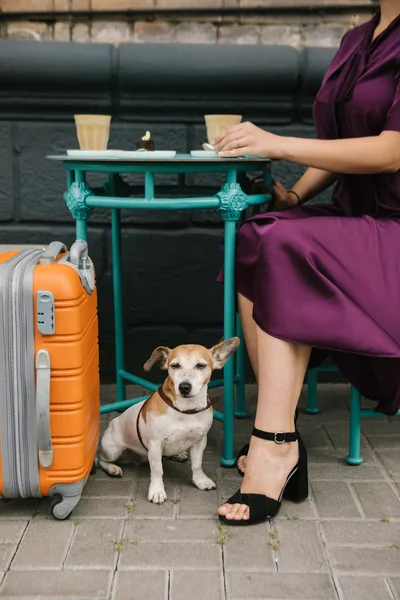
pixel 201 366
pixel 175 366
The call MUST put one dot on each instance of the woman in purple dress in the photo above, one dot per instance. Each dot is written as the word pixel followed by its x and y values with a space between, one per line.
pixel 323 279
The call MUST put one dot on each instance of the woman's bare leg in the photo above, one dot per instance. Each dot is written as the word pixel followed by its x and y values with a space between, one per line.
pixel 281 370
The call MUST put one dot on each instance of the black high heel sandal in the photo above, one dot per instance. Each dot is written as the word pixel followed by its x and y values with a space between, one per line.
pixel 261 507
pixel 245 450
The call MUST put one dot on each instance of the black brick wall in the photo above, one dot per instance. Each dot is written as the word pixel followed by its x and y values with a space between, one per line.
pixel 170 260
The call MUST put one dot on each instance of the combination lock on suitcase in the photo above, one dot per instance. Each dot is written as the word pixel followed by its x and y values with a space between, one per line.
pixel 49 374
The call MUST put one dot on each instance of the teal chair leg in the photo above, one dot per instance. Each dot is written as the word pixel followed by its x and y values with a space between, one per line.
pixel 240 411
pixel 312 399
pixel 354 457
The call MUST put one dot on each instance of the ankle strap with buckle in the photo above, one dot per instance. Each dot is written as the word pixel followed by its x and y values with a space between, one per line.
pixel 279 438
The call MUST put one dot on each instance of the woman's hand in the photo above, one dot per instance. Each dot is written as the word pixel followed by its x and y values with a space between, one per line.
pixel 281 198
pixel 247 139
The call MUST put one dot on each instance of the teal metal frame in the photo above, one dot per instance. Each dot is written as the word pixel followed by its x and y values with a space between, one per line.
pixel 230 201
pixel 356 412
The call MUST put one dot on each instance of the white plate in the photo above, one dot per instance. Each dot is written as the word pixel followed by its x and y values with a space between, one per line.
pixel 149 155
pixel 93 153
pixel 203 154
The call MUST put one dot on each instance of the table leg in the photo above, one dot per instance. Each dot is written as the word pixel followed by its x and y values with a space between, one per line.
pixel 75 197
pixel 118 302
pixel 228 459
pixel 232 202
pixel 240 412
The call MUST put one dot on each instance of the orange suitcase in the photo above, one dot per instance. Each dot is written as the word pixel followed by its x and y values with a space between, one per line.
pixel 49 374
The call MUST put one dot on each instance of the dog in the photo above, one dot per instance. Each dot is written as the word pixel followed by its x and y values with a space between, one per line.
pixel 173 421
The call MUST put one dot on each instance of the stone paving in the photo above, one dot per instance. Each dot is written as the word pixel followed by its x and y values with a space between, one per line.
pixel 343 543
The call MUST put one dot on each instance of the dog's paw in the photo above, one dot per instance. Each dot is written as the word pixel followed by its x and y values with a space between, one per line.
pixel 157 495
pixel 180 457
pixel 204 483
pixel 115 471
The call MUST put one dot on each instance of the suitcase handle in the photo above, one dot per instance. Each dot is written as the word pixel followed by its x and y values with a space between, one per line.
pixel 79 254
pixel 43 366
pixel 50 255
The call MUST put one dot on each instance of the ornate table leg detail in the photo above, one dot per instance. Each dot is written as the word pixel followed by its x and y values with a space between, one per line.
pixel 232 202
pixel 75 198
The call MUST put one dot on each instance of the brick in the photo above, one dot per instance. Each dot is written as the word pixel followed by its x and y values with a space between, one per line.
pixel 385 561
pixel 173 555
pixel 322 35
pixel 192 256
pixel 339 436
pixel 57 584
pixel 178 530
pixel 280 586
pixel 93 545
pixel 384 442
pixel 7 552
pixel 281 35
pixel 242 34
pixel 130 585
pixel 101 507
pixel 80 33
pixel 334 499
pixel 110 32
pixel 197 503
pixel 344 472
pixel 61 5
pixel 196 33
pixel 196 584
pixel 26 5
pixel 17 509
pixel 390 461
pixel 80 4
pixel 395 584
pixel 355 533
pixel 155 32
pixel 300 547
pixel 111 487
pixel 377 499
pixel 364 588
pixel 28 30
pixel 239 554
pixel 315 437
pixel 122 4
pixel 6 174
pixel 44 545
pixel 188 3
pixel 381 426
pixel 62 32
pixel 11 531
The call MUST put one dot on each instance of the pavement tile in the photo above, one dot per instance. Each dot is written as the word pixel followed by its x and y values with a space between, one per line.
pixel 93 544
pixel 136 585
pixel 79 585
pixel 44 545
pixel 364 588
pixel 334 499
pixel 196 584
pixel 279 586
pixel 377 499
pixel 300 547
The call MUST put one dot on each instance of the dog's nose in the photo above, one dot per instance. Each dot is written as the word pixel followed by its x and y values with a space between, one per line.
pixel 185 388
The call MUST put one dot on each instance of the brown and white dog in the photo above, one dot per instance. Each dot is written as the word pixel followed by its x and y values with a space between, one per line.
pixel 173 420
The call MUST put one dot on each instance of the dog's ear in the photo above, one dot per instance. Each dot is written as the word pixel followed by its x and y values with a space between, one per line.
pixel 159 357
pixel 222 351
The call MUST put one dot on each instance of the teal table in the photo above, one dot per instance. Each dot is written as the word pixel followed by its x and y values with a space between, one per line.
pixel 230 201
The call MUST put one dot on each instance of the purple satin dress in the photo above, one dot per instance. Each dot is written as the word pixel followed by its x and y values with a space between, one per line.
pixel 329 275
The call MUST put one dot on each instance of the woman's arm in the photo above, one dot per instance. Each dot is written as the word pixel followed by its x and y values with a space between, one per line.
pixel 313 182
pixel 376 154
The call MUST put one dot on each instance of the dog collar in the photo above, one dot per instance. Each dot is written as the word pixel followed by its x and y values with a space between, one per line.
pixel 191 411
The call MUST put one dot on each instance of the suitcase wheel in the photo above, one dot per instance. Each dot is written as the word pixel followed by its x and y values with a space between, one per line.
pixel 61 508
